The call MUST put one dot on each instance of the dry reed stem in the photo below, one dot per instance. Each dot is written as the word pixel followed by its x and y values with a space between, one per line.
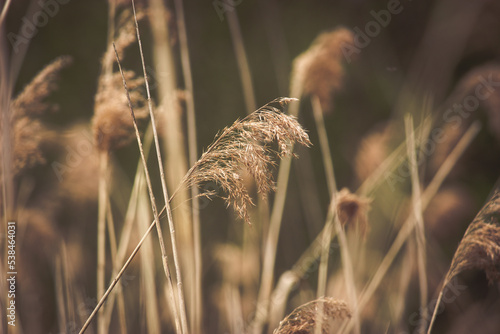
pixel 174 140
pixel 117 278
pixel 148 272
pixel 150 188
pixel 408 226
pixel 197 308
pixel 331 223
pixel 303 319
pixel 180 291
pixel 417 211
pixel 114 248
pixel 479 248
pixel 101 234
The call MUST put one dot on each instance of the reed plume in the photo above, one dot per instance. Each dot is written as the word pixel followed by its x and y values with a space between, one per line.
pixel 479 248
pixel 29 132
pixel 247 144
pixel 302 320
pixel 112 124
pixel 319 69
pixel 353 209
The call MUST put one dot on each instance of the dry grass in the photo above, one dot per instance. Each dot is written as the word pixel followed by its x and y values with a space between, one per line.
pixel 383 248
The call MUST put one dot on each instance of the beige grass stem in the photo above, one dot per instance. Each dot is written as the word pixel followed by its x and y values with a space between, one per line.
pixel 180 290
pixel 114 248
pixel 242 60
pixel 332 223
pixel 117 278
pixel 417 211
pixel 174 143
pixel 101 234
pixel 197 303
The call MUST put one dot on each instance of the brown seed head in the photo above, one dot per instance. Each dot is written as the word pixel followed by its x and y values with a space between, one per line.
pixel 112 123
pixel 319 69
pixel 303 319
pixel 353 209
pixel 480 246
pixel 248 144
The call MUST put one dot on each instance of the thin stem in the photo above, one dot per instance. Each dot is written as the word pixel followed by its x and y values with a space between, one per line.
pixel 117 278
pixel 197 308
pixel 417 212
pixel 241 58
pixel 146 173
pixel 101 234
pixel 331 223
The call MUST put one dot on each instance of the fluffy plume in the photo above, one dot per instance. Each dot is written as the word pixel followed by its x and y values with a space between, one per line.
pixel 247 144
pixel 303 319
pixel 319 69
pixel 353 209
pixel 480 246
pixel 32 100
pixel 28 133
pixel 112 123
pixel 126 36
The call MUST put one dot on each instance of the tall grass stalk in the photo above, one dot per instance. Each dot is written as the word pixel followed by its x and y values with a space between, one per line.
pixel 174 144
pixel 101 234
pixel 119 291
pixel 197 303
pixel 148 281
pixel 417 211
pixel 180 290
pixel 332 223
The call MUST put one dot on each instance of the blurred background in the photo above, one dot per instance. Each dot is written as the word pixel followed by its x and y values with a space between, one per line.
pixel 429 56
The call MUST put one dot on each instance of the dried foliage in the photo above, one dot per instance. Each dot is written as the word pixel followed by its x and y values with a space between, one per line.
pixel 112 123
pixel 248 144
pixel 303 319
pixel 353 209
pixel 28 132
pixel 480 246
pixel 319 69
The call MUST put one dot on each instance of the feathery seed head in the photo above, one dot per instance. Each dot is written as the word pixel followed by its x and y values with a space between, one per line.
pixel 303 319
pixel 319 69
pixel 353 209
pixel 248 144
